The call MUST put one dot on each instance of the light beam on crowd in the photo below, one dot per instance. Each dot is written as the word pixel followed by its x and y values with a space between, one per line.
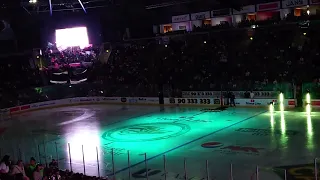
pixel 50 5
pixel 84 9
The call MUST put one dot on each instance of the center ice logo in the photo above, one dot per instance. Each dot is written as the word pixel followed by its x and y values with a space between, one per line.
pixel 146 132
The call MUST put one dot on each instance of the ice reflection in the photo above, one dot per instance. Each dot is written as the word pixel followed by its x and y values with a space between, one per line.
pixel 85 116
pixel 284 138
pixel 310 144
pixel 272 123
pixel 83 143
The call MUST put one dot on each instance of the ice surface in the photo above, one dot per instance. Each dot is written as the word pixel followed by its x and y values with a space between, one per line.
pixel 176 141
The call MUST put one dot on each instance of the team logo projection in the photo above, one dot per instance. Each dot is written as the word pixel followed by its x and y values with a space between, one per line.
pixel 232 149
pixel 146 132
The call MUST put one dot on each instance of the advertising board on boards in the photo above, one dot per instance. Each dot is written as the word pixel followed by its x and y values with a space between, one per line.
pixel 267 132
pixel 192 101
pixel 217 101
pixel 44 104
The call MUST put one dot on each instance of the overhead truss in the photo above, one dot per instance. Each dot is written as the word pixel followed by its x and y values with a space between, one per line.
pixel 51 6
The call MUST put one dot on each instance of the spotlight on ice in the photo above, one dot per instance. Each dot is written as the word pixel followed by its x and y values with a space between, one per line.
pixel 271 107
pixel 308 98
pixel 308 109
pixel 281 100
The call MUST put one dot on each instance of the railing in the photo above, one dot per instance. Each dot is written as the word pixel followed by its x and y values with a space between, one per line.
pixel 121 163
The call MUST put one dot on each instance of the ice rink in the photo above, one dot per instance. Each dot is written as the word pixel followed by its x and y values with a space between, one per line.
pixel 198 143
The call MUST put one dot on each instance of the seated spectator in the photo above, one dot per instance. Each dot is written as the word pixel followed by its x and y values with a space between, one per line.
pixel 31 167
pixel 4 167
pixel 53 164
pixel 18 170
pixel 56 175
pixel 38 172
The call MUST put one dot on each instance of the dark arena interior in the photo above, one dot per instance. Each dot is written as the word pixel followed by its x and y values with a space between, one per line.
pixel 159 89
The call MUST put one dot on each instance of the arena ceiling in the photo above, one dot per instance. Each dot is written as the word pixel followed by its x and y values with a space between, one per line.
pixel 51 6
pixel 128 7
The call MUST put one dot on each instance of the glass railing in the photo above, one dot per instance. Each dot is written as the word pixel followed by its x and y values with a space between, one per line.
pixel 121 164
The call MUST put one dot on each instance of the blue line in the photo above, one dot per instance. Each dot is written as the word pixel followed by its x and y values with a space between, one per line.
pixel 124 169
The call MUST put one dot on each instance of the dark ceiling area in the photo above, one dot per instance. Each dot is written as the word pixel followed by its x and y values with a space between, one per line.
pixel 41 6
pixel 29 21
pixel 65 5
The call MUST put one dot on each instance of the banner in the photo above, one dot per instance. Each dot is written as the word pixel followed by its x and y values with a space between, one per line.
pixel 294 3
pixel 268 6
pixel 245 9
pixel 221 12
pixel 314 1
pixel 181 18
pixel 200 15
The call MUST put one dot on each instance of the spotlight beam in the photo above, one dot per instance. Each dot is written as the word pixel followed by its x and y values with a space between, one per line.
pixel 50 7
pixel 84 9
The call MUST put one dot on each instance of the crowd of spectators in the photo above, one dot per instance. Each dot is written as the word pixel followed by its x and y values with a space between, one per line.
pixel 269 58
pixel 70 65
pixel 35 171
pixel 264 58
pixel 72 55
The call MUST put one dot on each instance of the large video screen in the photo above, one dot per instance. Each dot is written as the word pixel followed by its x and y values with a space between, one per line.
pixel 71 37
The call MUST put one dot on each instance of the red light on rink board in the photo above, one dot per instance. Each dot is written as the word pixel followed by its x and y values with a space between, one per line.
pixel 291 102
pixel 315 103
pixel 14 109
pixel 25 107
